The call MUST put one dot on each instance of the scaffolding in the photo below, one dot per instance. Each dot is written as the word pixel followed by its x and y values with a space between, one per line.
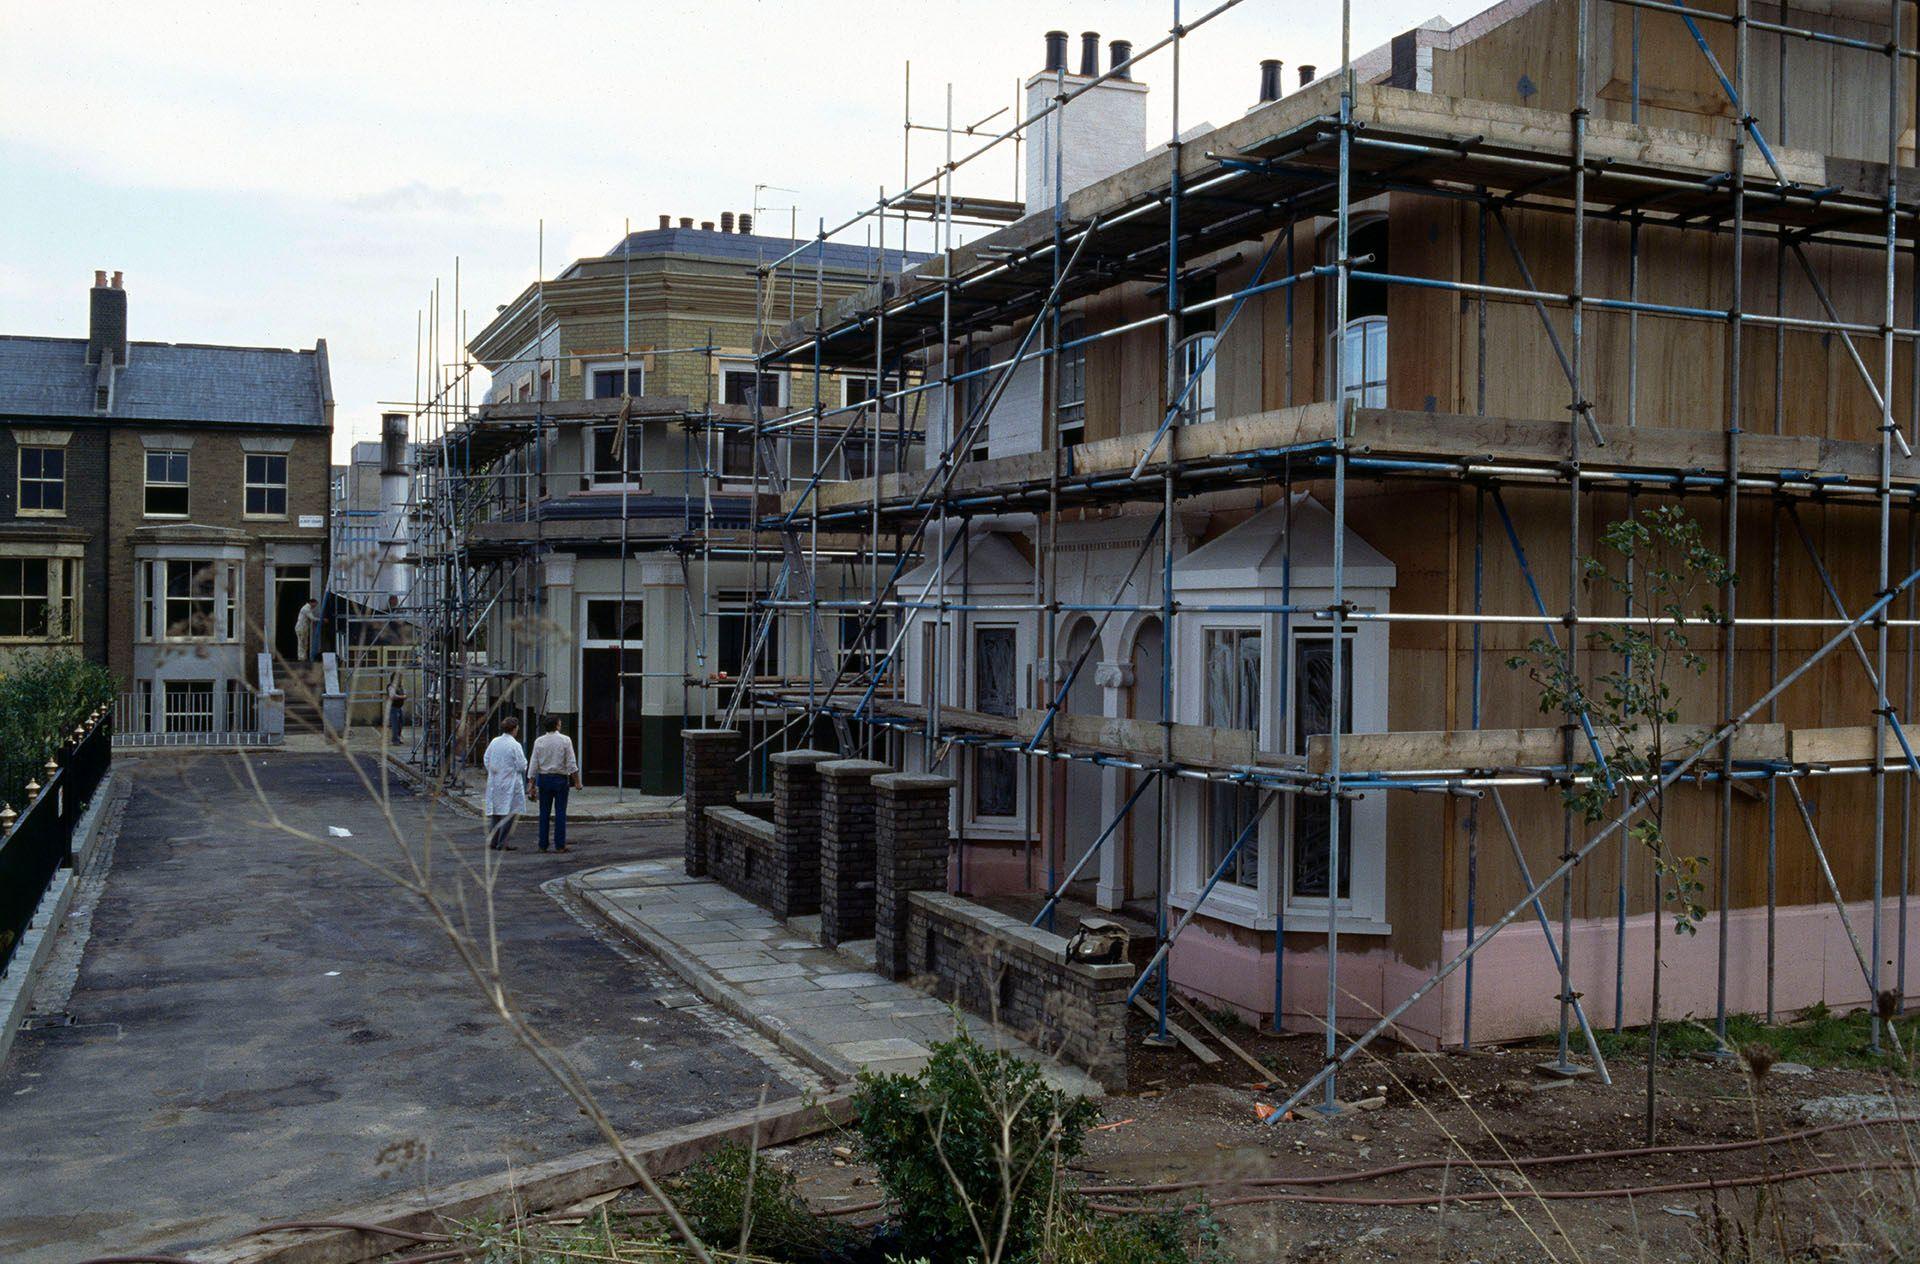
pixel 1267 179
pixel 481 508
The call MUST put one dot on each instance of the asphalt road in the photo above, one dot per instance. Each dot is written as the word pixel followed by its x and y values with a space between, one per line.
pixel 262 1028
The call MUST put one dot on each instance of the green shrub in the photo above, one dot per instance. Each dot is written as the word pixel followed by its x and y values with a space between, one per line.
pixel 712 1193
pixel 968 1149
pixel 42 698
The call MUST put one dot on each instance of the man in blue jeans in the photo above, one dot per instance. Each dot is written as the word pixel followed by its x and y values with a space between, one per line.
pixel 552 770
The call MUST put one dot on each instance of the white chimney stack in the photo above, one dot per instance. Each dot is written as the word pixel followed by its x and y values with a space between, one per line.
pixel 1102 131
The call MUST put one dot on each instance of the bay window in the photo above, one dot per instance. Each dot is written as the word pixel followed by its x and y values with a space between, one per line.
pixel 996 781
pixel 1233 702
pixel 188 599
pixel 1309 842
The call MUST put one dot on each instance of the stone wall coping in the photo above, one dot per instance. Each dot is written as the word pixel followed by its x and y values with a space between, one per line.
pixel 802 757
pixel 913 782
pixel 852 768
pixel 743 821
pixel 1014 932
pixel 709 733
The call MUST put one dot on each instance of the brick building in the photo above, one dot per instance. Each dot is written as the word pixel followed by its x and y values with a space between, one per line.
pixel 163 509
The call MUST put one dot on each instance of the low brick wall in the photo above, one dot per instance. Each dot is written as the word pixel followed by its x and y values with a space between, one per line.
pixel 1019 976
pixel 740 853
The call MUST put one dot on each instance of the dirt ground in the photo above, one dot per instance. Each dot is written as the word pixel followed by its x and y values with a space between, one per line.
pixel 1187 1123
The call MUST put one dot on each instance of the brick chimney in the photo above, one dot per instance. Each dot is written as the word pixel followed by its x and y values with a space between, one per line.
pixel 107 321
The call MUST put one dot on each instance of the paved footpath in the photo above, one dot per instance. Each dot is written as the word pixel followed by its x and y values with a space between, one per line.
pixel 259 1028
pixel 826 1007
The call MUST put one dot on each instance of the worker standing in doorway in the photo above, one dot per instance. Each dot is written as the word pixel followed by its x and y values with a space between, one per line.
pixel 304 625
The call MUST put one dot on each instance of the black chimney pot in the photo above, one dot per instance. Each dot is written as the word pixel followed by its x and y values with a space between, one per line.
pixel 726 221
pixel 1119 53
pixel 1056 51
pixel 1090 53
pixel 1306 75
pixel 746 222
pixel 1270 80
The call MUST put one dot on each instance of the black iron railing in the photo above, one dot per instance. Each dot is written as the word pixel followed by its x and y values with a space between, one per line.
pixel 38 841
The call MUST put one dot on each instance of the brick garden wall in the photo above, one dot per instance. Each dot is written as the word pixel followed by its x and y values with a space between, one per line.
pixel 1020 977
pixel 740 853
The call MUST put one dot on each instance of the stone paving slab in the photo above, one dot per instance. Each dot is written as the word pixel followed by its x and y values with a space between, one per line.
pixel 828 1008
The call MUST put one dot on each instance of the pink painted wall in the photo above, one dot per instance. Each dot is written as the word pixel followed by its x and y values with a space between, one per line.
pixel 1514 981
pixel 995 870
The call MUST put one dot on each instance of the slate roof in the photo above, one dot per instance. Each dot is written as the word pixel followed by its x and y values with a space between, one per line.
pixel 754 248
pixel 166 382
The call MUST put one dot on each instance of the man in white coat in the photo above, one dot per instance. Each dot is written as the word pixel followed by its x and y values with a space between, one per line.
pixel 506 783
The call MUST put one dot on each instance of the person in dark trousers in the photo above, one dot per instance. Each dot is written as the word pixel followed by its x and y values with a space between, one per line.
pixel 396 706
pixel 552 772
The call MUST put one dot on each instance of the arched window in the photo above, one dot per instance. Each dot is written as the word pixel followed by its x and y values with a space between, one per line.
pixel 1359 368
pixel 1194 357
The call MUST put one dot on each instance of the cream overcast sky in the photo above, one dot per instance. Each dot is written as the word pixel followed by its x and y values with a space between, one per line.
pixel 271 173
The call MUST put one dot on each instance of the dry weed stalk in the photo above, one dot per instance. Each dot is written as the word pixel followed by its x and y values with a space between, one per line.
pixel 475 945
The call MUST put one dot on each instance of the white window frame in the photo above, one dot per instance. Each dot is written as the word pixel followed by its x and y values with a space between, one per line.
pixel 729 367
pixel 1371 390
pixel 148 483
pixel 228 617
pixel 636 606
pixel 21 479
pixel 267 488
pixel 974 391
pixel 596 367
pixel 1364 911
pixel 1022 658
pixel 1261 842
pixel 732 477
pixel 1200 406
pixel 744 478
pixel 65 581
pixel 1072 430
pixel 733 603
pixel 615 480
